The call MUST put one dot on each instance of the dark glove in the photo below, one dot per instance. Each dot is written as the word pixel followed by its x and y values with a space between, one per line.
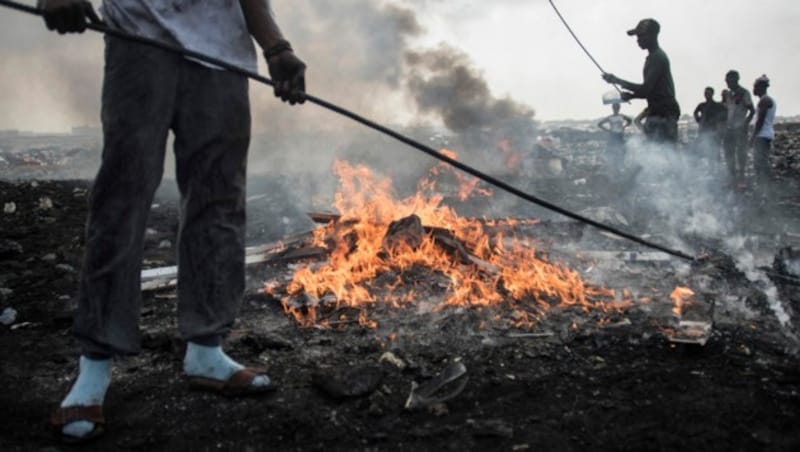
pixel 67 16
pixel 288 73
pixel 626 96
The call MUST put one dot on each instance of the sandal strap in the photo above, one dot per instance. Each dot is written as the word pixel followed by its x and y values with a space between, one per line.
pixel 243 378
pixel 66 415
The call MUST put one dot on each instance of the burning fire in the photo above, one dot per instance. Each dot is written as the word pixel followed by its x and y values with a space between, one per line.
pixel 467 185
pixel 512 159
pixel 366 268
pixel 681 296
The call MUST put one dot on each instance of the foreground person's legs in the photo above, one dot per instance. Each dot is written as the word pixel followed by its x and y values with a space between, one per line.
pixel 138 94
pixel 212 134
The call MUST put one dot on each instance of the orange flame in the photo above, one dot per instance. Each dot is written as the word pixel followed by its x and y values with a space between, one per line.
pixel 499 270
pixel 467 185
pixel 512 159
pixel 681 296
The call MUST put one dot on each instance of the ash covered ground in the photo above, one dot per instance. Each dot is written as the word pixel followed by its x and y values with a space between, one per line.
pixel 577 379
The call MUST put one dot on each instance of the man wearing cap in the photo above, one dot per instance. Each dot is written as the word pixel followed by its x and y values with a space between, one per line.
pixel 763 133
pixel 658 88
pixel 740 113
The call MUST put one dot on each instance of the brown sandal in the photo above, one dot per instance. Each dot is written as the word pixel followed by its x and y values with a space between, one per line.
pixel 67 415
pixel 239 384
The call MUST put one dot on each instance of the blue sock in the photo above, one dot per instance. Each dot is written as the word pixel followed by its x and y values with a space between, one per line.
pixel 90 388
pixel 212 362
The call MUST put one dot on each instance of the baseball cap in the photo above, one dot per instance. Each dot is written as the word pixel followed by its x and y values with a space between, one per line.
pixel 645 26
pixel 763 80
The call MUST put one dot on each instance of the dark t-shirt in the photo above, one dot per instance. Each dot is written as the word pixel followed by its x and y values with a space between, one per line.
pixel 711 115
pixel 658 87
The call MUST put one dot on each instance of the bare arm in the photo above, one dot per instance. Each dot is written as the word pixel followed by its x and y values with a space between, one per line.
pixel 627 120
pixel 750 112
pixel 630 86
pixel 636 90
pixel 611 78
pixel 698 113
pixel 261 23
pixel 285 68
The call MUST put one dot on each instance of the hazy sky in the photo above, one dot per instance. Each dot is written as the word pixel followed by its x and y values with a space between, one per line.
pixel 356 52
pixel 526 51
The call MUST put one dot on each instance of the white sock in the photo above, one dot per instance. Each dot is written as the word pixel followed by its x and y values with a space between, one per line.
pixel 212 362
pixel 90 388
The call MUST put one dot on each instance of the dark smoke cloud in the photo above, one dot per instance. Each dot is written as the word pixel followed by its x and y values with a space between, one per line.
pixel 444 81
pixel 360 55
pixel 354 51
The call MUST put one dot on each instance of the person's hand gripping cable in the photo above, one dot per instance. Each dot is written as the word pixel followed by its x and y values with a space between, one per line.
pixel 68 16
pixel 288 73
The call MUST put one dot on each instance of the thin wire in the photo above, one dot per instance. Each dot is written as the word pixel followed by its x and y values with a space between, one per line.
pixel 574 36
pixel 102 28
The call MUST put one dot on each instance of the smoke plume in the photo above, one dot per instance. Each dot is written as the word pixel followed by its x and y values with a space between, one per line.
pixel 444 82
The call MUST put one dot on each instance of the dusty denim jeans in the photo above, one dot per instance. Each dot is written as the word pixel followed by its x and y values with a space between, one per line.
pixel 146 93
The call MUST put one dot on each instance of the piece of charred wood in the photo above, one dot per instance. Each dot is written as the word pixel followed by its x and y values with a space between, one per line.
pixel 278 245
pixel 405 232
pixel 306 252
pixel 336 230
pixel 323 217
pixel 447 240
pixel 338 235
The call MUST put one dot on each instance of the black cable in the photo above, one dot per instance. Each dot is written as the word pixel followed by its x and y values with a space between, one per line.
pixel 574 36
pixel 102 28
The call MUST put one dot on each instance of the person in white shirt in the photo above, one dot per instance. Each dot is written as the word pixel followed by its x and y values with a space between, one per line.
pixel 740 113
pixel 615 125
pixel 146 93
pixel 764 132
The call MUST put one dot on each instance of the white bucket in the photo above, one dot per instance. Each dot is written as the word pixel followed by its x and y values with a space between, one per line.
pixel 612 97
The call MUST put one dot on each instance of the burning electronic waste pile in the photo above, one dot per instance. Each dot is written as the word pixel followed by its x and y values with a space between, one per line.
pixel 690 329
pixel 382 253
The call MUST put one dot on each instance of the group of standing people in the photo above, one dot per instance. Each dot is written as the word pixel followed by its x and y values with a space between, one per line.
pixel 726 125
pixel 721 124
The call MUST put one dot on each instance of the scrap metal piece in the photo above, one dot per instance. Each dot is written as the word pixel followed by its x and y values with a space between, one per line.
pixel 439 389
pixel 694 332
pixel 166 277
